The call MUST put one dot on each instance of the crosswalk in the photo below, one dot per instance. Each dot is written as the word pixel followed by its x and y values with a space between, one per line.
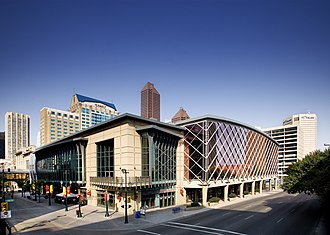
pixel 190 228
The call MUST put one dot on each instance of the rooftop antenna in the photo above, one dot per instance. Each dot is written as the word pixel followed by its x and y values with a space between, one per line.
pixel 74 91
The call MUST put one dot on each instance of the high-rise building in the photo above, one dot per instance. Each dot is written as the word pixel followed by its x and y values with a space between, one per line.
pixel 150 102
pixel 291 146
pixel 297 138
pixel 83 113
pixel 17 133
pixel 2 145
pixel 92 111
pixel 308 124
pixel 56 124
pixel 180 115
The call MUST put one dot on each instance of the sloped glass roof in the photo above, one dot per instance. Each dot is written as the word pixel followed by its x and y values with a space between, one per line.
pixel 82 98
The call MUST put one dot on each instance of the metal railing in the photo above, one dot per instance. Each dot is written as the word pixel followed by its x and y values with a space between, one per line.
pixel 120 181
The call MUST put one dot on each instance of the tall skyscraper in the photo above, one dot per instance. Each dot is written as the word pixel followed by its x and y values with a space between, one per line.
pixel 17 133
pixel 83 113
pixel 150 102
pixel 308 124
pixel 180 115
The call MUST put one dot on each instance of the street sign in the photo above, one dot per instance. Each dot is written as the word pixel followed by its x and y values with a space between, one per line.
pixel 6 214
pixel 10 200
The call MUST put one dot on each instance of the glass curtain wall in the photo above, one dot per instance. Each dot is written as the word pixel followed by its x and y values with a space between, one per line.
pixel 105 158
pixel 63 164
pixel 218 150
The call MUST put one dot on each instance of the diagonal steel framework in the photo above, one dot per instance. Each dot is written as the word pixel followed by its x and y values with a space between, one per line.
pixel 220 151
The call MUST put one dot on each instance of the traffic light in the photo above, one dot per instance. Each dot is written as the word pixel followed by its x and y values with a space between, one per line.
pixel 4 206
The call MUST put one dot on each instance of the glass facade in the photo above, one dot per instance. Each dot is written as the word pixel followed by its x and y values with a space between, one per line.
pixel 216 150
pixel 159 156
pixel 105 158
pixel 62 164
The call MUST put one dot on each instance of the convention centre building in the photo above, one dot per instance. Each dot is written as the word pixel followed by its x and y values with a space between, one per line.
pixel 160 164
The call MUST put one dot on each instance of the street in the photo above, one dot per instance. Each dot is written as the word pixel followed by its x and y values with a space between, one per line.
pixel 276 214
pixel 267 213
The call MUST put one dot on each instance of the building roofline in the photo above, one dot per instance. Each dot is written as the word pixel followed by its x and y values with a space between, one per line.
pixel 83 98
pixel 223 119
pixel 106 124
pixel 159 129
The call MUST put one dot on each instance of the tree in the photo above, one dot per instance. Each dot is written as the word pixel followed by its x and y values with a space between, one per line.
pixel 310 175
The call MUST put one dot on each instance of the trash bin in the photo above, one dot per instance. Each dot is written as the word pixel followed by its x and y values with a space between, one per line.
pixel 137 214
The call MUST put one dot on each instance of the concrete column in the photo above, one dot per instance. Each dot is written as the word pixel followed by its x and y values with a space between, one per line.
pixel 241 190
pixel 275 183
pixel 253 187
pixel 260 186
pixel 204 195
pixel 225 193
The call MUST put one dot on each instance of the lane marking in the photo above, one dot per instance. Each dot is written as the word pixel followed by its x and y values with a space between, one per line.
pixel 144 231
pixel 192 229
pixel 279 220
pixel 249 217
pixel 203 227
pixel 226 213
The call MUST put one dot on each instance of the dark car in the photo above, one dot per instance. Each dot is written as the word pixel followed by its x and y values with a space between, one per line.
pixel 72 198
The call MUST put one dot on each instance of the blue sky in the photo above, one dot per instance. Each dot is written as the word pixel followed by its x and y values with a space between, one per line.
pixel 255 61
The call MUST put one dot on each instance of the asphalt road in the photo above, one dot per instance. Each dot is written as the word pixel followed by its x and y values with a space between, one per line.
pixel 275 214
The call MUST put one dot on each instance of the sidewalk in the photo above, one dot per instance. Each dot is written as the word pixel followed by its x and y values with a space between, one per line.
pixel 93 218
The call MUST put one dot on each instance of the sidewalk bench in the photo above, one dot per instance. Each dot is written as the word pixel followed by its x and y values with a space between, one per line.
pixel 176 209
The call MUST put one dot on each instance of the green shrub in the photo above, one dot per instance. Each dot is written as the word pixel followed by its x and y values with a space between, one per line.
pixel 246 192
pixel 232 195
pixel 214 199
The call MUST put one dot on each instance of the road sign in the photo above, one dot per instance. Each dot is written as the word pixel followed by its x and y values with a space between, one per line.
pixel 47 188
pixel 9 200
pixel 6 214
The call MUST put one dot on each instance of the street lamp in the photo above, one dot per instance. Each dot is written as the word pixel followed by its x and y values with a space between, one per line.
pixel 125 172
pixel 327 145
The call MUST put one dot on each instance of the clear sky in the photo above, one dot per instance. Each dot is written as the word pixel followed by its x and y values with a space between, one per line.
pixel 254 61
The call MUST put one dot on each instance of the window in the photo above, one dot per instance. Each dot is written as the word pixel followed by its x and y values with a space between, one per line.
pixel 105 158
pixel 145 155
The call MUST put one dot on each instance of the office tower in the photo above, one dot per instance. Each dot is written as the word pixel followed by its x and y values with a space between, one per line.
pixel 17 133
pixel 56 124
pixel 2 145
pixel 297 138
pixel 83 113
pixel 308 124
pixel 291 146
pixel 150 102
pixel 180 115
pixel 92 111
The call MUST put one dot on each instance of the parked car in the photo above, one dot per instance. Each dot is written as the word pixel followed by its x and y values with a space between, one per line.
pixel 72 198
